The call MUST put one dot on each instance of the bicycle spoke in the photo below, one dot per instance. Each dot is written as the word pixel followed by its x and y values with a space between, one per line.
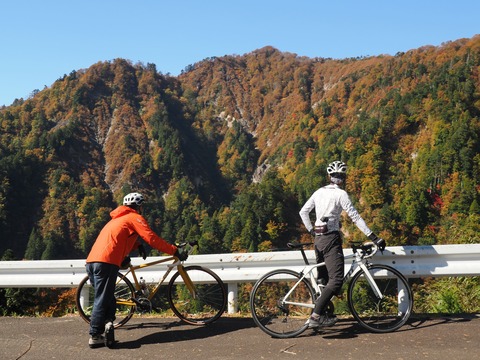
pixel 208 301
pixel 274 316
pixel 124 291
pixel 380 314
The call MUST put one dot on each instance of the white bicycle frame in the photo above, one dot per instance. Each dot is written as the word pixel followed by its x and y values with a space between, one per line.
pixel 358 264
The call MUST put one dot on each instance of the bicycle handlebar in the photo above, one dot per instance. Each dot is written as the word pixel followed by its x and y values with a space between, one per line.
pixel 367 249
pixel 192 244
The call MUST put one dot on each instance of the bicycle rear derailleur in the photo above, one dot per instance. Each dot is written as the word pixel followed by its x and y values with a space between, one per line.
pixel 284 307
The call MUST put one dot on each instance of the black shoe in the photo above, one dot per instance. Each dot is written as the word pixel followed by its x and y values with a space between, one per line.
pixel 109 335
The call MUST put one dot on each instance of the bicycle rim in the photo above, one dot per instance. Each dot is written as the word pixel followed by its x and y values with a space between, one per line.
pixel 123 291
pixel 388 313
pixel 207 303
pixel 271 314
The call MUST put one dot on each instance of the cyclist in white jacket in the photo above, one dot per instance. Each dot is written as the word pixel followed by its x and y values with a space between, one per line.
pixel 329 202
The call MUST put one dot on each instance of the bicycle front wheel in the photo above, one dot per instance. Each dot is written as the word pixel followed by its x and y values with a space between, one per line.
pixel 204 303
pixel 380 313
pixel 273 312
pixel 124 292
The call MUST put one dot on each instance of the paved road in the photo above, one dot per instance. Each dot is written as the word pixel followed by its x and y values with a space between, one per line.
pixel 66 338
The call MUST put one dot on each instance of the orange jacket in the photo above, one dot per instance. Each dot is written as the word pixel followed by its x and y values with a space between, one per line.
pixel 119 237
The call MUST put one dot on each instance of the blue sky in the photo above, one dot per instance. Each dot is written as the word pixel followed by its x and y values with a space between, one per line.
pixel 43 40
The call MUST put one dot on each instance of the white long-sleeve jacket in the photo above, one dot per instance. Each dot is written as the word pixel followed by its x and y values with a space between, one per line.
pixel 329 201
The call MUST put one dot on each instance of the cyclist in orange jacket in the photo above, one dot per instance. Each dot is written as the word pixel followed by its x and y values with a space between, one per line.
pixel 116 240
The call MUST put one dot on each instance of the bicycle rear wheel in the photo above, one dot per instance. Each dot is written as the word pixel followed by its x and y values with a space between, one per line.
pixel 272 313
pixel 206 304
pixel 124 291
pixel 384 314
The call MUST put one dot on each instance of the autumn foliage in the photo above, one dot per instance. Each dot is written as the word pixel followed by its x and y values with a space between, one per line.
pixel 227 152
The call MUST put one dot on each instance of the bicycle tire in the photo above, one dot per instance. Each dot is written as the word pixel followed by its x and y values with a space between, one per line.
pixel 270 315
pixel 380 315
pixel 123 290
pixel 209 301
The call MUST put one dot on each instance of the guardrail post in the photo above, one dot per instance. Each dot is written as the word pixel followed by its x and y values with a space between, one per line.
pixel 84 298
pixel 402 299
pixel 232 290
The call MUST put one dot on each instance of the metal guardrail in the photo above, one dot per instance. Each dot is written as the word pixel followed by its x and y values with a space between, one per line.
pixel 411 261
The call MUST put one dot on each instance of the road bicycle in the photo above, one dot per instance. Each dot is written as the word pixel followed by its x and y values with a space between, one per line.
pixel 195 294
pixel 378 296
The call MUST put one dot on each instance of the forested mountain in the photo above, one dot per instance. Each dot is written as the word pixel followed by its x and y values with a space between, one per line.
pixel 228 151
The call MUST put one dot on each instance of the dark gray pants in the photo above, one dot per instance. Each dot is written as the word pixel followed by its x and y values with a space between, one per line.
pixel 328 249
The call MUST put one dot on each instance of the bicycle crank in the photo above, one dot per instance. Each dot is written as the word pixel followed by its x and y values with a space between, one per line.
pixel 143 304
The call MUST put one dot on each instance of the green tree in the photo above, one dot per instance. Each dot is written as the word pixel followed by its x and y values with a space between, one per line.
pixel 35 246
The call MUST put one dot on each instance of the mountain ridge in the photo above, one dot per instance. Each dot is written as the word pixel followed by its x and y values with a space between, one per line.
pixel 407 126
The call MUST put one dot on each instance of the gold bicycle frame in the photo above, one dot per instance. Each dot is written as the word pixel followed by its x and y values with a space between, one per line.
pixel 180 268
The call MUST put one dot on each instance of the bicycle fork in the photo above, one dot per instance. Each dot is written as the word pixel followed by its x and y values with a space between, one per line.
pixel 188 282
pixel 371 280
pixel 402 291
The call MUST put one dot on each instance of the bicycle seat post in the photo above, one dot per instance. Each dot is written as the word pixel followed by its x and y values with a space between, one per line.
pixel 301 247
pixel 304 256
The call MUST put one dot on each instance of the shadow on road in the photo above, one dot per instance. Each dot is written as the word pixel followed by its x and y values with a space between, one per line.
pixel 424 321
pixel 349 329
pixel 179 331
pixel 176 331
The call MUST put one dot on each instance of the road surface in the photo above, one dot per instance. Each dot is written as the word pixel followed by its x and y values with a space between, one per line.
pixel 66 338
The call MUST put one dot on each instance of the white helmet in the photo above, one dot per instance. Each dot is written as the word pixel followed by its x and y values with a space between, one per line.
pixel 337 167
pixel 133 199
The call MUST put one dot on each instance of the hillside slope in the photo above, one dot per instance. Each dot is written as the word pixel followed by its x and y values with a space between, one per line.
pixel 228 151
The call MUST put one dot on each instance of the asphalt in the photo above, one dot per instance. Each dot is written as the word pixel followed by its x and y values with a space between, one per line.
pixel 425 337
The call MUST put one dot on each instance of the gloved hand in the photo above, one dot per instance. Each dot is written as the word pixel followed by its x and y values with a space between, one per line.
pixel 142 252
pixel 381 244
pixel 125 263
pixel 312 232
pixel 181 254
pixel 378 241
